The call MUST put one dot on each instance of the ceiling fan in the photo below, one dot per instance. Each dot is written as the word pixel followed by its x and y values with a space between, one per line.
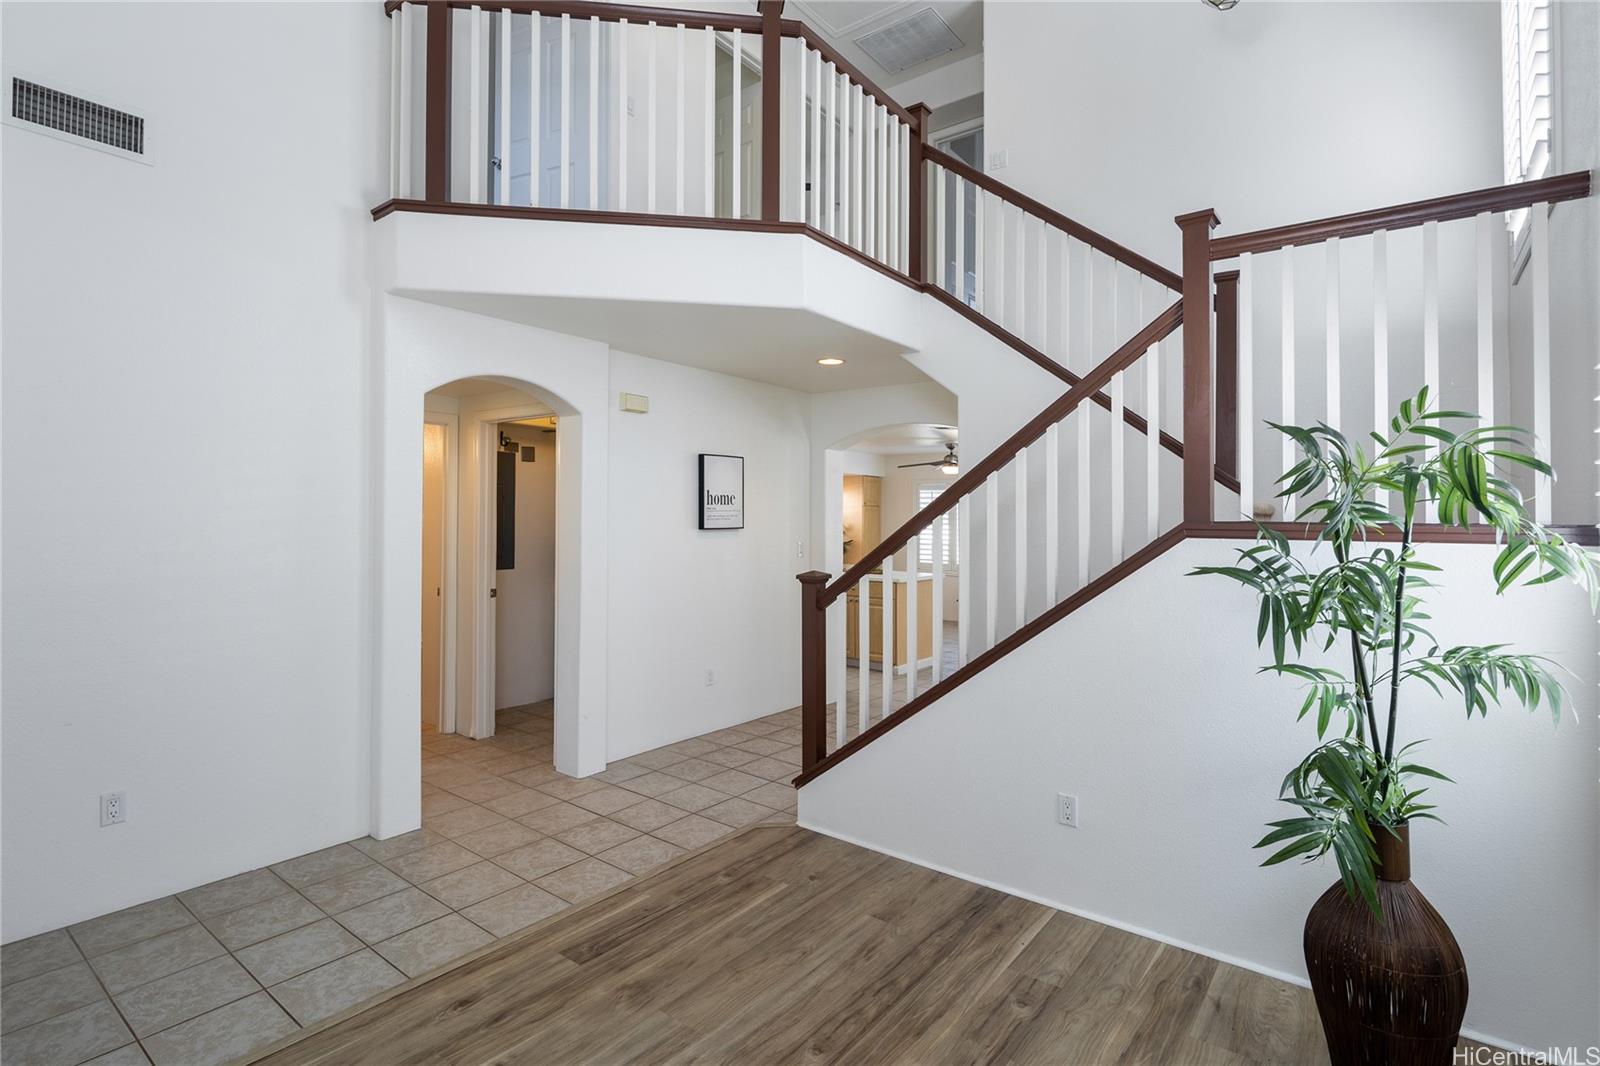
pixel 948 465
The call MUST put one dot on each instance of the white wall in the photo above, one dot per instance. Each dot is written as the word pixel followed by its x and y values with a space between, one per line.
pixel 686 600
pixel 213 307
pixel 1146 705
pixel 1271 113
pixel 525 607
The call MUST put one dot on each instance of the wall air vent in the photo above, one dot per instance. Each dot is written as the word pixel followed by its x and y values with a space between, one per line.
pixel 62 112
pixel 914 39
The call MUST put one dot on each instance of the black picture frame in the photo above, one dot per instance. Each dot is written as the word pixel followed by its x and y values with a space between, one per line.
pixel 718 515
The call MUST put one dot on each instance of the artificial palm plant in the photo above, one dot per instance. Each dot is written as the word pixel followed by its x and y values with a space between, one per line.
pixel 1371 596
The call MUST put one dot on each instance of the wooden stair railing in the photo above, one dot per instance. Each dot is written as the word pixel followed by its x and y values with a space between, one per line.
pixel 855 725
pixel 1218 412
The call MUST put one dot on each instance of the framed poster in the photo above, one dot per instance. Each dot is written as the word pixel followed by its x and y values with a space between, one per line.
pixel 721 491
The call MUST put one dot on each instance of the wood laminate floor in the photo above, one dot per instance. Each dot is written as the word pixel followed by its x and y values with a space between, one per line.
pixel 779 945
pixel 782 946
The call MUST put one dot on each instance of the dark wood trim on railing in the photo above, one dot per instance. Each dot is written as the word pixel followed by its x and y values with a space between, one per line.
pixel 1227 309
pixel 830 54
pixel 1077 230
pixel 771 106
pixel 813 668
pixel 916 214
pixel 1161 326
pixel 1574 186
pixel 1425 533
pixel 1198 447
pixel 988 658
pixel 581 9
pixel 436 131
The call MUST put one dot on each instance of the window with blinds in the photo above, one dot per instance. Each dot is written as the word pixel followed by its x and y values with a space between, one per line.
pixel 1525 80
pixel 948 553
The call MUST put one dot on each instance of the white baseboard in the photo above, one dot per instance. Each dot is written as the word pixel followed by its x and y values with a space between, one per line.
pixel 1151 934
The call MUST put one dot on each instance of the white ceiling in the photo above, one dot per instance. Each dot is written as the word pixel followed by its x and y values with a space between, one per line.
pixel 910 439
pixel 842 22
pixel 779 346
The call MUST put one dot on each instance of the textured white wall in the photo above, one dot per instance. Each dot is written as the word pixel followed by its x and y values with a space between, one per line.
pixel 1147 706
pixel 183 612
pixel 525 618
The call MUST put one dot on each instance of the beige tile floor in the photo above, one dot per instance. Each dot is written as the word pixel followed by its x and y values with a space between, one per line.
pixel 900 692
pixel 213 973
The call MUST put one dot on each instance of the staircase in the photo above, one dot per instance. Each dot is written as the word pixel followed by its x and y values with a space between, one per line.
pixel 1155 437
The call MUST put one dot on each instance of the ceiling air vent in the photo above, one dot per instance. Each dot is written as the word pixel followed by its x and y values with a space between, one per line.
pixel 76 117
pixel 915 39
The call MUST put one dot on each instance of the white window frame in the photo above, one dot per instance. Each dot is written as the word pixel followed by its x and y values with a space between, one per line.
pixel 1528 102
pixel 925 539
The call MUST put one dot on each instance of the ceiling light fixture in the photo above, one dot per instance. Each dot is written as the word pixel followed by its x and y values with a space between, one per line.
pixel 830 360
pixel 1222 5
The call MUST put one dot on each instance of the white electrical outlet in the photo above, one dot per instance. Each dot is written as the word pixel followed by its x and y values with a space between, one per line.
pixel 711 678
pixel 113 808
pixel 1067 809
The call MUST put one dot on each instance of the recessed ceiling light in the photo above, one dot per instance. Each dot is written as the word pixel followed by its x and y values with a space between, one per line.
pixel 830 360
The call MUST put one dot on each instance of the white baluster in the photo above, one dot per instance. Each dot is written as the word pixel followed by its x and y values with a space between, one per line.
pixel 397 62
pixel 913 605
pixel 1246 406
pixel 650 129
pixel 869 185
pixel 863 653
pixel 980 207
pixel 938 227
pixel 840 682
pixel 1152 441
pixel 535 58
pixel 1380 337
pixel 503 109
pixel 960 216
pixel 842 122
pixel 709 178
pixel 830 145
pixel 735 137
pixel 1539 268
pixel 991 569
pixel 1019 499
pixel 814 152
pixel 1082 414
pixel 679 133
pixel 594 113
pixel 477 191
pixel 1286 361
pixel 881 184
pixel 1042 285
pixel 1052 514
pixel 858 155
pixel 1485 241
pixel 888 636
pixel 1118 446
pixel 621 116
pixel 999 287
pixel 566 112
pixel 1430 335
pixel 1331 252
pixel 1021 281
pixel 937 557
pixel 963 579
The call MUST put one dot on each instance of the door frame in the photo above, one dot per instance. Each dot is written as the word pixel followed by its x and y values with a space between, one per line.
pixel 483 576
pixel 449 518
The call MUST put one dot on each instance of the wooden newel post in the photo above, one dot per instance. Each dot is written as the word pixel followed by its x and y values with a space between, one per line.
pixel 1199 448
pixel 916 212
pixel 771 105
pixel 436 129
pixel 813 669
pixel 1227 305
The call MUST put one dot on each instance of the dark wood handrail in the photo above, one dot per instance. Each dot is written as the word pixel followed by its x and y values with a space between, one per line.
pixel 584 9
pixel 1574 186
pixel 1090 384
pixel 1149 268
